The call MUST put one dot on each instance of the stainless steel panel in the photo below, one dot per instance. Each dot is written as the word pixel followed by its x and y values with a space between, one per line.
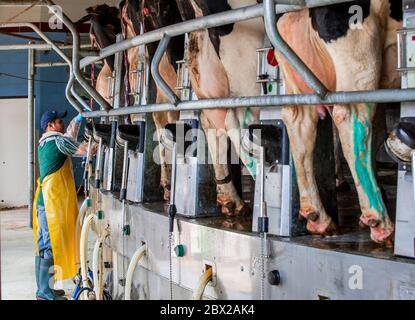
pixel 277 191
pixel 135 177
pixel 186 197
pixel 307 271
pixel 405 216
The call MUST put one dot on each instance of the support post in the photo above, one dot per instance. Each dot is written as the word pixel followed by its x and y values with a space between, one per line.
pixel 76 56
pixel 30 122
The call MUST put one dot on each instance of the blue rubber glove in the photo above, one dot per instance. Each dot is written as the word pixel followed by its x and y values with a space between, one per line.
pixel 78 119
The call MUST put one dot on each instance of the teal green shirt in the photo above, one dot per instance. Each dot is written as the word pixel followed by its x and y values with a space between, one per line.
pixel 52 154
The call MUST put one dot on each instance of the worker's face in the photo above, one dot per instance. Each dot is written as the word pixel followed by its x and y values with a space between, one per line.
pixel 56 125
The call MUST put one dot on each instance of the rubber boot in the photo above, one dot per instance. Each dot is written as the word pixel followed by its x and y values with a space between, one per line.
pixel 45 292
pixel 37 266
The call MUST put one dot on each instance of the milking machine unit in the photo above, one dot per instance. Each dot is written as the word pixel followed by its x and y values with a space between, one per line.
pixel 113 160
pixel 276 191
pixel 128 138
pixel 195 193
pixel 401 141
pixel 142 166
pixel 273 187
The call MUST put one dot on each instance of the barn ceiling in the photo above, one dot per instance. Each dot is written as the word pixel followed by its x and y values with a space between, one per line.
pixel 74 9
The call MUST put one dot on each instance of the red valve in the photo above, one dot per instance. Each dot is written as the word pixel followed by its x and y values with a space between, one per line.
pixel 272 60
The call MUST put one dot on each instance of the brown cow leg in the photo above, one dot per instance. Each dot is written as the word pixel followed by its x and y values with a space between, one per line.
pixel 301 122
pixel 227 197
pixel 358 71
pixel 355 129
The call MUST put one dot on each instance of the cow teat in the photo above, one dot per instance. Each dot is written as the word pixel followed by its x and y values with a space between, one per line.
pixel 146 12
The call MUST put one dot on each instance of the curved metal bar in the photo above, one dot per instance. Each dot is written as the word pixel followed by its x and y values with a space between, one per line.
pixel 72 101
pixel 158 79
pixel 75 56
pixel 377 96
pixel 279 43
pixel 75 94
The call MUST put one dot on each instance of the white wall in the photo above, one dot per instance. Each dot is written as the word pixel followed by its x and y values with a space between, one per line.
pixel 13 153
pixel 74 9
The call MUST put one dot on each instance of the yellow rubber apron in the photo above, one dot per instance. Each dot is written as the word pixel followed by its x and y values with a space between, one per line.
pixel 59 195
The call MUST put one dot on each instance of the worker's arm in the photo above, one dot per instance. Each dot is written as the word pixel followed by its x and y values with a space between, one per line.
pixel 73 128
pixel 69 145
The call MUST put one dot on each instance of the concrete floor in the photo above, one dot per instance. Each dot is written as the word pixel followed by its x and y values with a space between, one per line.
pixel 18 255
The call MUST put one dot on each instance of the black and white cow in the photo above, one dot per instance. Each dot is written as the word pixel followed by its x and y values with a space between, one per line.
pixel 222 64
pixel 345 57
pixel 105 25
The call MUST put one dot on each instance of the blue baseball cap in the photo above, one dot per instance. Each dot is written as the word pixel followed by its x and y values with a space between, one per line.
pixel 49 116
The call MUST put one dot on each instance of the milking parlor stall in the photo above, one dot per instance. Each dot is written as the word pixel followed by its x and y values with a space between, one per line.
pixel 231 149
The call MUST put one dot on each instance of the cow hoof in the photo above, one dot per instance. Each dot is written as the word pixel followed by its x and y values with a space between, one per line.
pixel 230 209
pixel 381 230
pixel 318 227
pixel 382 235
pixel 313 216
pixel 373 223
pixel 227 208
pixel 243 211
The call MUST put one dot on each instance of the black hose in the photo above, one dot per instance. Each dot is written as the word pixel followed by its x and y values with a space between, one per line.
pixel 107 295
pixel 82 290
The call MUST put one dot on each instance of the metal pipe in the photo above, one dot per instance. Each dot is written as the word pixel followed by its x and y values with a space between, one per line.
pixel 413 175
pixel 51 64
pixel 36 46
pixel 68 90
pixel 210 21
pixel 279 43
pixel 17 2
pixel 124 173
pixel 377 96
pixel 155 72
pixel 19 36
pixel 75 56
pixel 31 125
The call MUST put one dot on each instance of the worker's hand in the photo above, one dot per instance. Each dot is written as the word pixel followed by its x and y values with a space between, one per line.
pixel 78 119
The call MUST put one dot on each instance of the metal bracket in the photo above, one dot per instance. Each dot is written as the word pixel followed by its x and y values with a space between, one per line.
pixel 262 72
pixel 402 50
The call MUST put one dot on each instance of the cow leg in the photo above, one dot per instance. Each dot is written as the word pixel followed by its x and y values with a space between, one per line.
pixel 358 59
pixel 301 123
pixel 160 121
pixel 355 128
pixel 228 199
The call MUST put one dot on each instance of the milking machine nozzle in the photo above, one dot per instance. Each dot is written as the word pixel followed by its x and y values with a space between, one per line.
pixel 172 210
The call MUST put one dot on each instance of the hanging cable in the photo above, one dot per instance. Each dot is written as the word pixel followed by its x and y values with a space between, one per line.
pixel 23 11
pixel 24 78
